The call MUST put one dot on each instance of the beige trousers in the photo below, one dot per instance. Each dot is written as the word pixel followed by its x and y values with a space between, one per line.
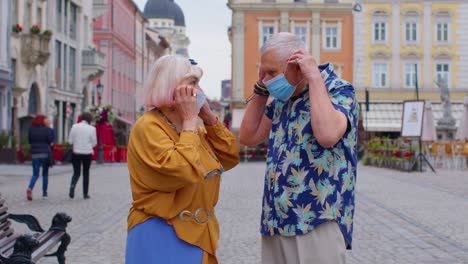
pixel 324 245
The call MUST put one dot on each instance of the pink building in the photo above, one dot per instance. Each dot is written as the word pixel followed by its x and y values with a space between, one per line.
pixel 115 34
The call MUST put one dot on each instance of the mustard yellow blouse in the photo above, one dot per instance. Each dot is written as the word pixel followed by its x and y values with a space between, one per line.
pixel 167 176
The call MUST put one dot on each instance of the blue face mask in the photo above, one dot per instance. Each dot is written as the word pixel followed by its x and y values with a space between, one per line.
pixel 279 87
pixel 201 100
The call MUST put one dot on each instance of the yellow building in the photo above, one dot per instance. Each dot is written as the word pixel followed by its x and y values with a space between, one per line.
pixel 398 42
pixel 325 26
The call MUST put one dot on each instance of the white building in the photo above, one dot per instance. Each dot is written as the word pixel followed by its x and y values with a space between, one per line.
pixel 74 63
pixel 5 66
pixel 166 17
pixel 30 51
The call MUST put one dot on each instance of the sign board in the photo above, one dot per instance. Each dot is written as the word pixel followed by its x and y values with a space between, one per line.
pixel 412 120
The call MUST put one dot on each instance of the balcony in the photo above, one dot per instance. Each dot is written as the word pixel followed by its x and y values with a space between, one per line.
pixel 93 64
pixel 35 49
pixel 99 8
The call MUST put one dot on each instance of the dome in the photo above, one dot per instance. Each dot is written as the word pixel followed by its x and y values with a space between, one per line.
pixel 164 9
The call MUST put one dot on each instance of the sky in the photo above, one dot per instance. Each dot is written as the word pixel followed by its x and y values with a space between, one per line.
pixel 207 22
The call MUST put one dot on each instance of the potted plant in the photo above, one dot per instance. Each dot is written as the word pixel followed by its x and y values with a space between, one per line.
pixel 7 154
pixel 17 28
pixel 47 34
pixel 35 29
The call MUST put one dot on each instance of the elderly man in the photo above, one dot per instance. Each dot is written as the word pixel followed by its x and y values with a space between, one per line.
pixel 311 127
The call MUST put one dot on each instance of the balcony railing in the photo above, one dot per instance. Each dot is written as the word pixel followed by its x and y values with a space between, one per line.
pixel 93 64
pixel 35 49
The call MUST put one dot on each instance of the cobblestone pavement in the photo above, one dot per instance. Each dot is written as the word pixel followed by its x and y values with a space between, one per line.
pixel 400 217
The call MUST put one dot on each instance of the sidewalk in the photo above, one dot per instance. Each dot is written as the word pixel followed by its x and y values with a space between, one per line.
pixel 26 169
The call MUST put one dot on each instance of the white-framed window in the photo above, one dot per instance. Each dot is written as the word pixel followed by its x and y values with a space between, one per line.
pixel 411 32
pixel 380 32
pixel 442 27
pixel 443 73
pixel 266 31
pixel 409 74
pixel 302 31
pixel 442 32
pixel 380 27
pixel 331 34
pixel 380 75
pixel 331 37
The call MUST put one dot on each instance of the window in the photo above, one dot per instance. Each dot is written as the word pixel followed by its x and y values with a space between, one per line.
pixel 72 68
pixel 65 20
pixel 302 32
pixel 59 15
pixel 65 75
pixel 410 75
pixel 267 32
pixel 73 20
pixel 331 37
pixel 39 16
pixel 411 32
pixel 380 31
pixel 380 75
pixel 58 63
pixel 28 15
pixel 442 32
pixel 443 73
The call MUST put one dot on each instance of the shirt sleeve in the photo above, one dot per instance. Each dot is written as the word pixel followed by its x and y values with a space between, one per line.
pixel 224 145
pixel 159 162
pixel 343 99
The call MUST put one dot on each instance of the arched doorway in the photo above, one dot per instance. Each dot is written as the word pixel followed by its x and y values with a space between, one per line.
pixel 34 101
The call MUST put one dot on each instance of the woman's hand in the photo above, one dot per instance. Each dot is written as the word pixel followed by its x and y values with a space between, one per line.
pixel 208 117
pixel 185 104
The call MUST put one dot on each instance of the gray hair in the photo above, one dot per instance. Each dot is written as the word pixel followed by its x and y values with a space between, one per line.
pixel 284 44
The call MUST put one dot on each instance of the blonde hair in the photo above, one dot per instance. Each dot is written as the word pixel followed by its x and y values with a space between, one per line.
pixel 164 76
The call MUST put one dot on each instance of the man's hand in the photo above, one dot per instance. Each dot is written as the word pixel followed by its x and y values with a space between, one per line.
pixel 306 63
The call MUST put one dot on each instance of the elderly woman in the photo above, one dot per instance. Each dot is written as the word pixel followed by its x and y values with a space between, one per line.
pixel 176 168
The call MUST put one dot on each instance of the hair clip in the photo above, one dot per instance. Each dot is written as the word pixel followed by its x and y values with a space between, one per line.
pixel 193 62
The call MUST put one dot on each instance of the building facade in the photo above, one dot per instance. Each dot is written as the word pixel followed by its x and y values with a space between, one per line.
pixel 75 63
pixel 30 52
pixel 6 76
pixel 167 18
pixel 115 34
pixel 399 44
pixel 325 26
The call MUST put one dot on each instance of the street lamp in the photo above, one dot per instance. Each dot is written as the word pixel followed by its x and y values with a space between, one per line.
pixel 99 88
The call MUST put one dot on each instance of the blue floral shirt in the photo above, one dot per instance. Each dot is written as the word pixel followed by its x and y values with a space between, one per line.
pixel 306 184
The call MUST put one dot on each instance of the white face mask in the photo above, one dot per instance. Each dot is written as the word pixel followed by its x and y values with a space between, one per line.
pixel 201 100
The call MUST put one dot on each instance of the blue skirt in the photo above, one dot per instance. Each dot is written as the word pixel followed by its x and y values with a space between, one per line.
pixel 154 241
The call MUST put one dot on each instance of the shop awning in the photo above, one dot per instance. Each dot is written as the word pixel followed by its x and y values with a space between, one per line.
pixel 386 116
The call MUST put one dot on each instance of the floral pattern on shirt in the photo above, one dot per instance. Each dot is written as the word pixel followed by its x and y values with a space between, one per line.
pixel 306 184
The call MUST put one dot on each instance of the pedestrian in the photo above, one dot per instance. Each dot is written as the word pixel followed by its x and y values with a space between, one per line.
pixel 311 128
pixel 175 169
pixel 83 138
pixel 40 138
